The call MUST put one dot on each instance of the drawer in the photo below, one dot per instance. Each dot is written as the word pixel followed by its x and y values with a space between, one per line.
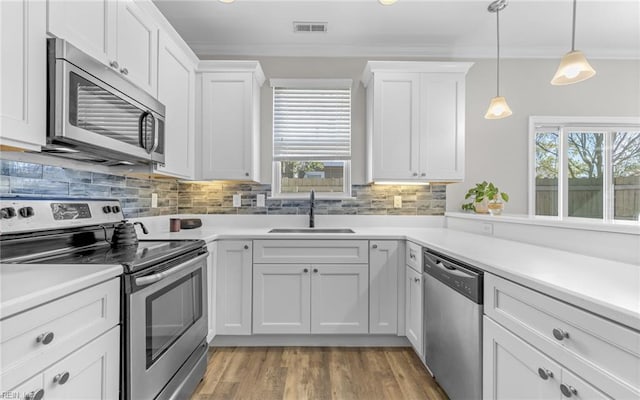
pixel 24 390
pixel 597 349
pixel 311 251
pixel 414 256
pixel 69 322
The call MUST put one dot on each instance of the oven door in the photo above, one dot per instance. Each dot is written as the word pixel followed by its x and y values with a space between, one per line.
pixel 167 323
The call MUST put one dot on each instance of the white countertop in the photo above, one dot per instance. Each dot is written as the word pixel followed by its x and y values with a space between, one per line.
pixel 608 288
pixel 23 286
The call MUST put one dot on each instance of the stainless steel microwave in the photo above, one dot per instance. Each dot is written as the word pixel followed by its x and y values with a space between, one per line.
pixel 95 114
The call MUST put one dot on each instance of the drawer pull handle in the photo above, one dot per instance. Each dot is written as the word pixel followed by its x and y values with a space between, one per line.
pixel 559 334
pixel 61 379
pixel 246 247
pixel 412 255
pixel 35 395
pixel 375 246
pixel 305 270
pixel 568 390
pixel 315 270
pixel 45 338
pixel 545 373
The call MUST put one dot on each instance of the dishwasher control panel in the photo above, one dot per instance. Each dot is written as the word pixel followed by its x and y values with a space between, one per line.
pixel 457 275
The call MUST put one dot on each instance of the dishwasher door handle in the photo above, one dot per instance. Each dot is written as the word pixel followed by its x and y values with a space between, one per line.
pixel 450 270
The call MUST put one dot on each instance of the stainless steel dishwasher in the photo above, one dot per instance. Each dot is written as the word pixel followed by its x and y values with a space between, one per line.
pixel 453 324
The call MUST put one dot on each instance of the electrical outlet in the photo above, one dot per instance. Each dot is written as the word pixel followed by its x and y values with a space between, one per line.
pixel 237 200
pixel 397 201
pixel 487 228
pixel 154 200
pixel 260 200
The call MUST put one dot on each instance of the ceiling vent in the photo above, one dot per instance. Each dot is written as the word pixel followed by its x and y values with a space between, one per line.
pixel 309 27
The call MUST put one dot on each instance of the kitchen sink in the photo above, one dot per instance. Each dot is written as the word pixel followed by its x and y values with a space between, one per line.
pixel 311 230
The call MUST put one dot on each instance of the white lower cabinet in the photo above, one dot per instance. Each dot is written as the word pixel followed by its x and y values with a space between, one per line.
pixel 92 372
pixel 233 287
pixel 340 298
pixel 212 248
pixel 384 259
pixel 510 369
pixel 281 298
pixel 413 309
pixel 513 369
pixel 68 348
pixel 306 298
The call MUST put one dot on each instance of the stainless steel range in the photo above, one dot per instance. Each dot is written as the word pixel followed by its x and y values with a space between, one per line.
pixel 164 313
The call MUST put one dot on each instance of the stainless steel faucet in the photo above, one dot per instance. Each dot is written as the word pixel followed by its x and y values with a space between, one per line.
pixel 312 205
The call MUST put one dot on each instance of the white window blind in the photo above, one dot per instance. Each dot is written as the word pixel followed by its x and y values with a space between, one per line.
pixel 311 123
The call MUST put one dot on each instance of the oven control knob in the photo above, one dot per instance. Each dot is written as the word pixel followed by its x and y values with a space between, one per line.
pixel 26 212
pixel 115 209
pixel 106 209
pixel 7 212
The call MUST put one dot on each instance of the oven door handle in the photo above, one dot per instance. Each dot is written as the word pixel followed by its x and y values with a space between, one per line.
pixel 147 280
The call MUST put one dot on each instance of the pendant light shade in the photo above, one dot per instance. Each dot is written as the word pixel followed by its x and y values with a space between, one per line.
pixel 498 108
pixel 574 66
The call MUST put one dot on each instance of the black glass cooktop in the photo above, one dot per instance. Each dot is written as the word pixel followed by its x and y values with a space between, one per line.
pixel 134 258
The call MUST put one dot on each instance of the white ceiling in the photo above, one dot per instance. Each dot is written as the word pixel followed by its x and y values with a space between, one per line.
pixel 425 28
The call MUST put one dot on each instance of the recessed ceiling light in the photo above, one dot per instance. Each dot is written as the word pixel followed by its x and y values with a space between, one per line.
pixel 387 2
pixel 226 1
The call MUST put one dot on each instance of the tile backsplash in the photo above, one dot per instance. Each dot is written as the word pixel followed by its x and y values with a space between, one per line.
pixel 32 179
pixel 217 198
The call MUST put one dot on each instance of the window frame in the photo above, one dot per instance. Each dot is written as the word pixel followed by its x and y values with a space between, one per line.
pixel 588 124
pixel 276 175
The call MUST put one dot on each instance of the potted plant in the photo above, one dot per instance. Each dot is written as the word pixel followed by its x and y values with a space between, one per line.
pixel 487 198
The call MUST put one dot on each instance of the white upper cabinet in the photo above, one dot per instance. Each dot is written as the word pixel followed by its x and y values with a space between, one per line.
pixel 23 74
pixel 137 46
pixel 117 33
pixel 230 120
pixel 176 86
pixel 88 25
pixel 415 120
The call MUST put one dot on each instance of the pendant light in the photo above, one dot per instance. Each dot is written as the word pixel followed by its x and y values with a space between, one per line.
pixel 498 108
pixel 574 66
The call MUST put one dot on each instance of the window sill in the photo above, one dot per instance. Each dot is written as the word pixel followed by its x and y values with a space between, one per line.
pixel 627 227
pixel 306 197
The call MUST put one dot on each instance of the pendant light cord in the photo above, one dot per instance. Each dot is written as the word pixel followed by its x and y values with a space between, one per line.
pixel 498 52
pixel 573 32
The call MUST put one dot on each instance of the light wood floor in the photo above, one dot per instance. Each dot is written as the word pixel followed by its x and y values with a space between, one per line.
pixel 300 373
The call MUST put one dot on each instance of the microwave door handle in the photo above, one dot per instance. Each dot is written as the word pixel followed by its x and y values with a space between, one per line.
pixel 147 280
pixel 142 130
pixel 154 135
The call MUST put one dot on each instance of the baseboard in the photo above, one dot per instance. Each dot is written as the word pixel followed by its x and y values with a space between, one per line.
pixel 310 341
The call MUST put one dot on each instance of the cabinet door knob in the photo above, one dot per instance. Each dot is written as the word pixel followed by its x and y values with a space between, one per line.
pixel 35 395
pixel 315 270
pixel 423 174
pixel 61 379
pixel 246 247
pixel 568 390
pixel 124 71
pixel 415 174
pixel 246 174
pixel 45 338
pixel 305 270
pixel 416 280
pixel 114 64
pixel 545 373
pixel 375 246
pixel 559 334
